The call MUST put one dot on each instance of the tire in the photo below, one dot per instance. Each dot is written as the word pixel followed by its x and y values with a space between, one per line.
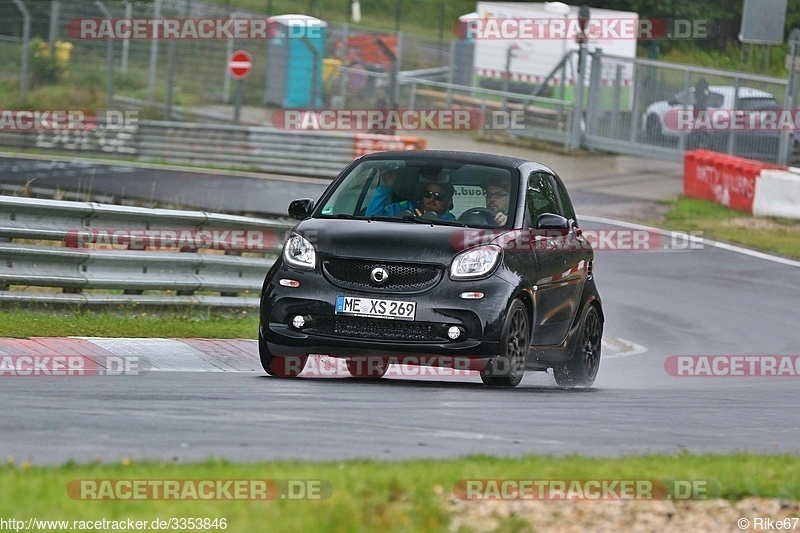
pixel 507 368
pixel 289 366
pixel 581 370
pixel 367 368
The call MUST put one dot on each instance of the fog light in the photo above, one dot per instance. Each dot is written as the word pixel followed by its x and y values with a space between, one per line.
pixel 454 332
pixel 289 283
pixel 298 321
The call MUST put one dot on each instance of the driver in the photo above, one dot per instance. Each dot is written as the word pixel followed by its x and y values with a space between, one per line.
pixel 498 193
pixel 436 200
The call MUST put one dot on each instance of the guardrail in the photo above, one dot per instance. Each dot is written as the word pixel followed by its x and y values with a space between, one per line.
pixel 81 246
pixel 321 154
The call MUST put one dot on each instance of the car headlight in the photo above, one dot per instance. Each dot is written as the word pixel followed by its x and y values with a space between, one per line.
pixel 476 262
pixel 299 252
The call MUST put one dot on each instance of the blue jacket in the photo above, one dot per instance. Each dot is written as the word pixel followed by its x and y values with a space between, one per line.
pixel 377 205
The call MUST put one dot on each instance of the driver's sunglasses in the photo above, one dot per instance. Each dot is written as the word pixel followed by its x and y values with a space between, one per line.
pixel 498 195
pixel 438 196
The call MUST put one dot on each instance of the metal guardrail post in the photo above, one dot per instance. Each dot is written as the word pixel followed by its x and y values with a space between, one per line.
pixel 784 149
pixel 732 137
pixel 616 102
pixel 126 43
pixel 109 59
pixel 26 39
pixel 687 83
pixel 54 8
pixel 576 135
pixel 151 85
pixel 595 83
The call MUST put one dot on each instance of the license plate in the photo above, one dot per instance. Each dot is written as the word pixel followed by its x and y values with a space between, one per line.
pixel 373 308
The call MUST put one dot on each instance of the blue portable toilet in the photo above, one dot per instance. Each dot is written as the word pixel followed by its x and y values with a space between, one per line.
pixel 294 62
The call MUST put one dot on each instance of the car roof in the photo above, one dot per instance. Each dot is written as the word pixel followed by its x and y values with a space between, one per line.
pixel 744 92
pixel 470 158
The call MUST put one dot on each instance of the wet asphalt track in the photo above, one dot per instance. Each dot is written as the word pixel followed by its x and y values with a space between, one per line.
pixel 692 302
pixel 701 302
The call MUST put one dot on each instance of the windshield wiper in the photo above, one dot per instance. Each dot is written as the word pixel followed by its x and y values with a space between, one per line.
pixel 385 218
pixel 445 222
pixel 418 220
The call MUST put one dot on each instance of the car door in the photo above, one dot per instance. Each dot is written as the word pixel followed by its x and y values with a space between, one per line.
pixel 560 258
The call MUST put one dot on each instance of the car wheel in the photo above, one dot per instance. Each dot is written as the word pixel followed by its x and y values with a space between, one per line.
pixel 289 366
pixel 508 367
pixel 581 370
pixel 367 368
pixel 653 129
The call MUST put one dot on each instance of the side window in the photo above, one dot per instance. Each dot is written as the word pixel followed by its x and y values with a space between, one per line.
pixel 566 203
pixel 541 197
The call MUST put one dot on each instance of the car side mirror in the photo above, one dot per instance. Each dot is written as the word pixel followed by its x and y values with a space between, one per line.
pixel 552 222
pixel 301 209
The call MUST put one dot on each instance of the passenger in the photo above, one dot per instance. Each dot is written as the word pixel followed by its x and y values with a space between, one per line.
pixel 436 200
pixel 498 193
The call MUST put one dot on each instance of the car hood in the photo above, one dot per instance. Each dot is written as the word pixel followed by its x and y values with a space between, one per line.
pixel 391 241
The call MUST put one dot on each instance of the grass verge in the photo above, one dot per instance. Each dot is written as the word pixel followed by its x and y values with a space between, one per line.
pixel 371 496
pixel 775 235
pixel 129 321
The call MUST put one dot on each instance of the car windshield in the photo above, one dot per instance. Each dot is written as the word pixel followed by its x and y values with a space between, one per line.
pixel 433 190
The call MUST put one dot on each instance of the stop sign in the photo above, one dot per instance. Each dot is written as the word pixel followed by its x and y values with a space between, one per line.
pixel 239 64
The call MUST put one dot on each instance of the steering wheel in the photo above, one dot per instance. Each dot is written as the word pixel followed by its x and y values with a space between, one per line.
pixel 478 211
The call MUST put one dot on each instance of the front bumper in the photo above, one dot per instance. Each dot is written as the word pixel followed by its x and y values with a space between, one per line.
pixel 437 309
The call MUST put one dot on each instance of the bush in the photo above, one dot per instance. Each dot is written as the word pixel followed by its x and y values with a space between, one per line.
pixel 47 68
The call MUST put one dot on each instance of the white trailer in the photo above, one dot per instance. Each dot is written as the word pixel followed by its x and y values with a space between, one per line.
pixel 545 33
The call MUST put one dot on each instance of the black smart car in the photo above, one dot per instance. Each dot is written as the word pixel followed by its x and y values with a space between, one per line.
pixel 452 259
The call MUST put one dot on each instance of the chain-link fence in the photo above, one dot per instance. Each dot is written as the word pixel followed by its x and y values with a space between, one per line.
pixel 651 107
pixel 629 105
pixel 186 72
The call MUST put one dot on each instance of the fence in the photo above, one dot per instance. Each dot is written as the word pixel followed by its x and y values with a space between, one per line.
pixel 644 116
pixel 299 153
pixel 107 247
pixel 197 67
pixel 620 108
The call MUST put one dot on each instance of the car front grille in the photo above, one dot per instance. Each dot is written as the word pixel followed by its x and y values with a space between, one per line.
pixel 377 328
pixel 401 277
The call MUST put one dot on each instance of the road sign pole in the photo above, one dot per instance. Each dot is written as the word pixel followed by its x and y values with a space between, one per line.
pixel 239 66
pixel 237 111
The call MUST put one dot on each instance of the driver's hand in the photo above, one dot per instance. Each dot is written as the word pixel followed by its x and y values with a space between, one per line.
pixel 500 218
pixel 418 212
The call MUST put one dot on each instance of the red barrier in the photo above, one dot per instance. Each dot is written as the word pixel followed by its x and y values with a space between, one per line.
pixel 721 178
pixel 367 143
